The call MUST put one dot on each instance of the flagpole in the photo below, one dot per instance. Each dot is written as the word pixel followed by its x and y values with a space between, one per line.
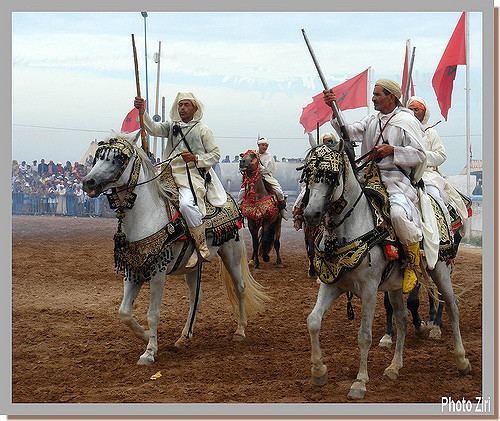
pixel 162 119
pixel 467 109
pixel 368 84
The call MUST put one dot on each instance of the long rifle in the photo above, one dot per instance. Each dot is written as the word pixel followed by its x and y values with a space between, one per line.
pixel 138 86
pixel 336 112
pixel 410 70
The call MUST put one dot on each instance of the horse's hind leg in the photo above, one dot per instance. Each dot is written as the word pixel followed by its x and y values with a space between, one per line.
pixel 368 303
pixel 130 292
pixel 435 318
pixel 187 331
pixel 156 285
pixel 442 277
pixel 231 259
pixel 327 294
pixel 397 302
pixel 386 340
pixel 277 246
pixel 413 303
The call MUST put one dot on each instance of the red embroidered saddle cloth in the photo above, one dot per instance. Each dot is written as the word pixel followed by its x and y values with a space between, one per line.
pixel 257 210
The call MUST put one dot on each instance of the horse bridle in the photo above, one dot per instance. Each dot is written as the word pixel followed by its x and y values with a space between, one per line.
pixel 324 165
pixel 124 152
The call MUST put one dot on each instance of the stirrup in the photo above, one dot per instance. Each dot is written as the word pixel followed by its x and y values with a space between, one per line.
pixel 193 260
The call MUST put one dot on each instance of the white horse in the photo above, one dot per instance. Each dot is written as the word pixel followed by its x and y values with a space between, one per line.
pixel 120 165
pixel 331 181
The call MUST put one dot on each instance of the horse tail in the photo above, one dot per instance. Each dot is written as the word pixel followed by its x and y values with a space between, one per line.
pixel 255 295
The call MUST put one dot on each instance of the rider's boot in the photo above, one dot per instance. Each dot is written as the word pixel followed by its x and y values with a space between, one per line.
pixel 200 242
pixel 412 252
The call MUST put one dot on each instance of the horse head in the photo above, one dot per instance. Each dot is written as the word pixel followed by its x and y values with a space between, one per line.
pixel 323 174
pixel 249 162
pixel 112 164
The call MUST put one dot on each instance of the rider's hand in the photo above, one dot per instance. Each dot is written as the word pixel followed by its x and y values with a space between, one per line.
pixel 188 156
pixel 381 151
pixel 139 103
pixel 328 97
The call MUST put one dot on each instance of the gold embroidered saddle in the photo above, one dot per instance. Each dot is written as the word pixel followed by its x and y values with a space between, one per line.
pixel 338 257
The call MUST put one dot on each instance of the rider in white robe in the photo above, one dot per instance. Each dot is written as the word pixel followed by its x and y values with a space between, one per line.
pixel 395 137
pixel 436 185
pixel 197 154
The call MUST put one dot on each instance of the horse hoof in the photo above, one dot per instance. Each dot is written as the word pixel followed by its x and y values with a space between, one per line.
pixel 251 264
pixel 238 337
pixel 422 331
pixel 391 373
pixel 146 360
pixel 435 333
pixel 386 341
pixel 466 370
pixel 320 380
pixel 358 391
pixel 265 258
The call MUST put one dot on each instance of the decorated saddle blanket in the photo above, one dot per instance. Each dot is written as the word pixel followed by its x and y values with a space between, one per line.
pixel 141 259
pixel 258 210
pixel 337 257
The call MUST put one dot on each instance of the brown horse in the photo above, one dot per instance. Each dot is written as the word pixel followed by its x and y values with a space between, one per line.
pixel 260 207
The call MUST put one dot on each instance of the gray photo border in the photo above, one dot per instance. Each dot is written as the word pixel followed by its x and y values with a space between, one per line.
pixel 489 359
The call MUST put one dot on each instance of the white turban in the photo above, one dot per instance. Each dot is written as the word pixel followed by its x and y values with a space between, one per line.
pixel 174 112
pixel 262 140
pixel 391 86
pixel 329 136
pixel 416 99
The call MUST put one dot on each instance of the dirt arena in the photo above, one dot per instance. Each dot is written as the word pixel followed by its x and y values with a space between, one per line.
pixel 69 344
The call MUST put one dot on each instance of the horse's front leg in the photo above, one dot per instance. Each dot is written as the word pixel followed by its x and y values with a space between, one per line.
pixel 400 314
pixel 156 286
pixel 368 303
pixel 277 246
pixel 130 292
pixel 194 303
pixel 327 294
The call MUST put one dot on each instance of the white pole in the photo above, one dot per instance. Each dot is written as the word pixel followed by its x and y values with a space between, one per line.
pixel 467 109
pixel 162 119
pixel 157 57
pixel 368 92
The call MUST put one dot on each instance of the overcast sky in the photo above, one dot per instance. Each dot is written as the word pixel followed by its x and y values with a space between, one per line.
pixel 73 73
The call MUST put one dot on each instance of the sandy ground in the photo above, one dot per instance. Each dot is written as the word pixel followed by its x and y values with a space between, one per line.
pixel 69 344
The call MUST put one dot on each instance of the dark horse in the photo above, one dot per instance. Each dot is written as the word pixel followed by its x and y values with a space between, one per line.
pixel 260 207
pixel 310 234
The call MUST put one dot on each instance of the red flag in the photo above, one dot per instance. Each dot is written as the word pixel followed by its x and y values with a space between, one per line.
pixel 350 94
pixel 131 121
pixel 453 55
pixel 406 70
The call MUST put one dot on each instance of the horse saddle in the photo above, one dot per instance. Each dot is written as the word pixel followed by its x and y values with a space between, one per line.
pixel 222 223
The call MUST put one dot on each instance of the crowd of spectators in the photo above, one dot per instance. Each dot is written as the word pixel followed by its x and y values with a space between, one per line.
pixel 53 189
